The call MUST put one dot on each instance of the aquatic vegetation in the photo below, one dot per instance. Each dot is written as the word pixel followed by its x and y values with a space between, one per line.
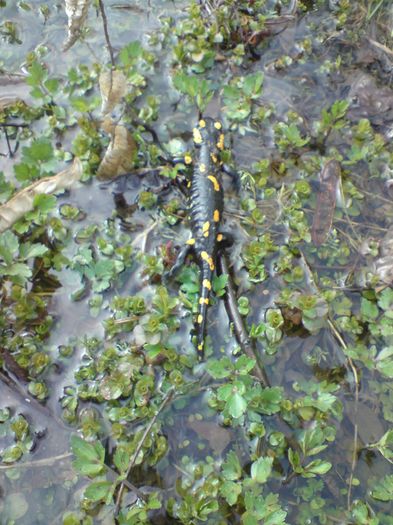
pixel 106 414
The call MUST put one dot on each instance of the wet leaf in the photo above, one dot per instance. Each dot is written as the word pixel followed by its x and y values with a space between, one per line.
pixel 231 491
pixel 113 87
pixel 231 469
pixel 384 362
pixel 236 405
pixel 12 454
pixel 24 201
pixel 98 490
pixel 261 469
pixel 326 202
pixel 120 154
pixel 76 11
pixel 89 457
pixel 383 490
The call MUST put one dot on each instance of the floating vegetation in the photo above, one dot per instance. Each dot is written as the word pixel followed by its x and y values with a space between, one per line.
pixel 106 414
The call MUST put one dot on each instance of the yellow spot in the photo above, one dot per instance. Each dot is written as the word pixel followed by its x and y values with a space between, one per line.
pixel 216 216
pixel 187 159
pixel 197 136
pixel 206 234
pixel 206 257
pixel 200 347
pixel 217 125
pixel 203 300
pixel 190 242
pixel 220 143
pixel 206 226
pixel 189 184
pixel 207 284
pixel 219 237
pixel 202 123
pixel 214 181
pixel 200 319
pixel 214 158
pixel 202 168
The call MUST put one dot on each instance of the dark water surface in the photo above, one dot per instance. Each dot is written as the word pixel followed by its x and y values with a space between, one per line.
pixel 42 486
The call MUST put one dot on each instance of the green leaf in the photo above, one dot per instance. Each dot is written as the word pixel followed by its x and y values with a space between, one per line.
pixel 270 400
pixel 339 109
pixel 9 245
pixel 121 459
pixel 44 203
pixel 20 270
pixel 383 490
pixel 252 84
pixel 261 469
pixel 231 491
pixel 219 284
pixel 28 250
pixel 219 368
pixel 84 450
pixel 317 467
pixel 52 85
pixel 384 362
pixel 98 490
pixel 12 454
pixel 231 468
pixel 244 365
pixel 40 150
pixel 385 445
pixel 25 172
pixel 369 310
pixel 236 405
pixel 89 456
pixel 385 301
pixel 36 74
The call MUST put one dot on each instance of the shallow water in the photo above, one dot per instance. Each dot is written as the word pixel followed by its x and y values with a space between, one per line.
pixel 297 82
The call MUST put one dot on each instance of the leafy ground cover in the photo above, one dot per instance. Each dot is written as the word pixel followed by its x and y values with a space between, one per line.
pixel 105 414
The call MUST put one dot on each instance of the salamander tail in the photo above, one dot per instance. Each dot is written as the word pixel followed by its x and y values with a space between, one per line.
pixel 204 297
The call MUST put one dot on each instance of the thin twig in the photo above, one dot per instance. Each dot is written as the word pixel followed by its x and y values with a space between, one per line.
pixel 238 321
pixel 165 401
pixel 105 24
pixel 45 462
pixel 356 429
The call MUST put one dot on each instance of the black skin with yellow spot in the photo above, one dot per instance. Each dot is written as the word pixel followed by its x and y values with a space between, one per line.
pixel 206 202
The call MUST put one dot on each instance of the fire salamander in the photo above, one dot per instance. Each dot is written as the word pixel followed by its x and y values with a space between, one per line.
pixel 206 202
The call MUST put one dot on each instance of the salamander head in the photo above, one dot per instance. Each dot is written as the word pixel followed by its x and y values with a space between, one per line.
pixel 209 131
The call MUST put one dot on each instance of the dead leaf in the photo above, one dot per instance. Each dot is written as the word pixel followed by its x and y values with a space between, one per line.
pixel 113 86
pixel 326 202
pixel 22 202
pixel 369 421
pixel 120 154
pixel 76 11
pixel 217 437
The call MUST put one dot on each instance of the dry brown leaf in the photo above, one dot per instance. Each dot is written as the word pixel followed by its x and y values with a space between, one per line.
pixel 22 202
pixel 120 155
pixel 113 86
pixel 76 11
pixel 326 202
